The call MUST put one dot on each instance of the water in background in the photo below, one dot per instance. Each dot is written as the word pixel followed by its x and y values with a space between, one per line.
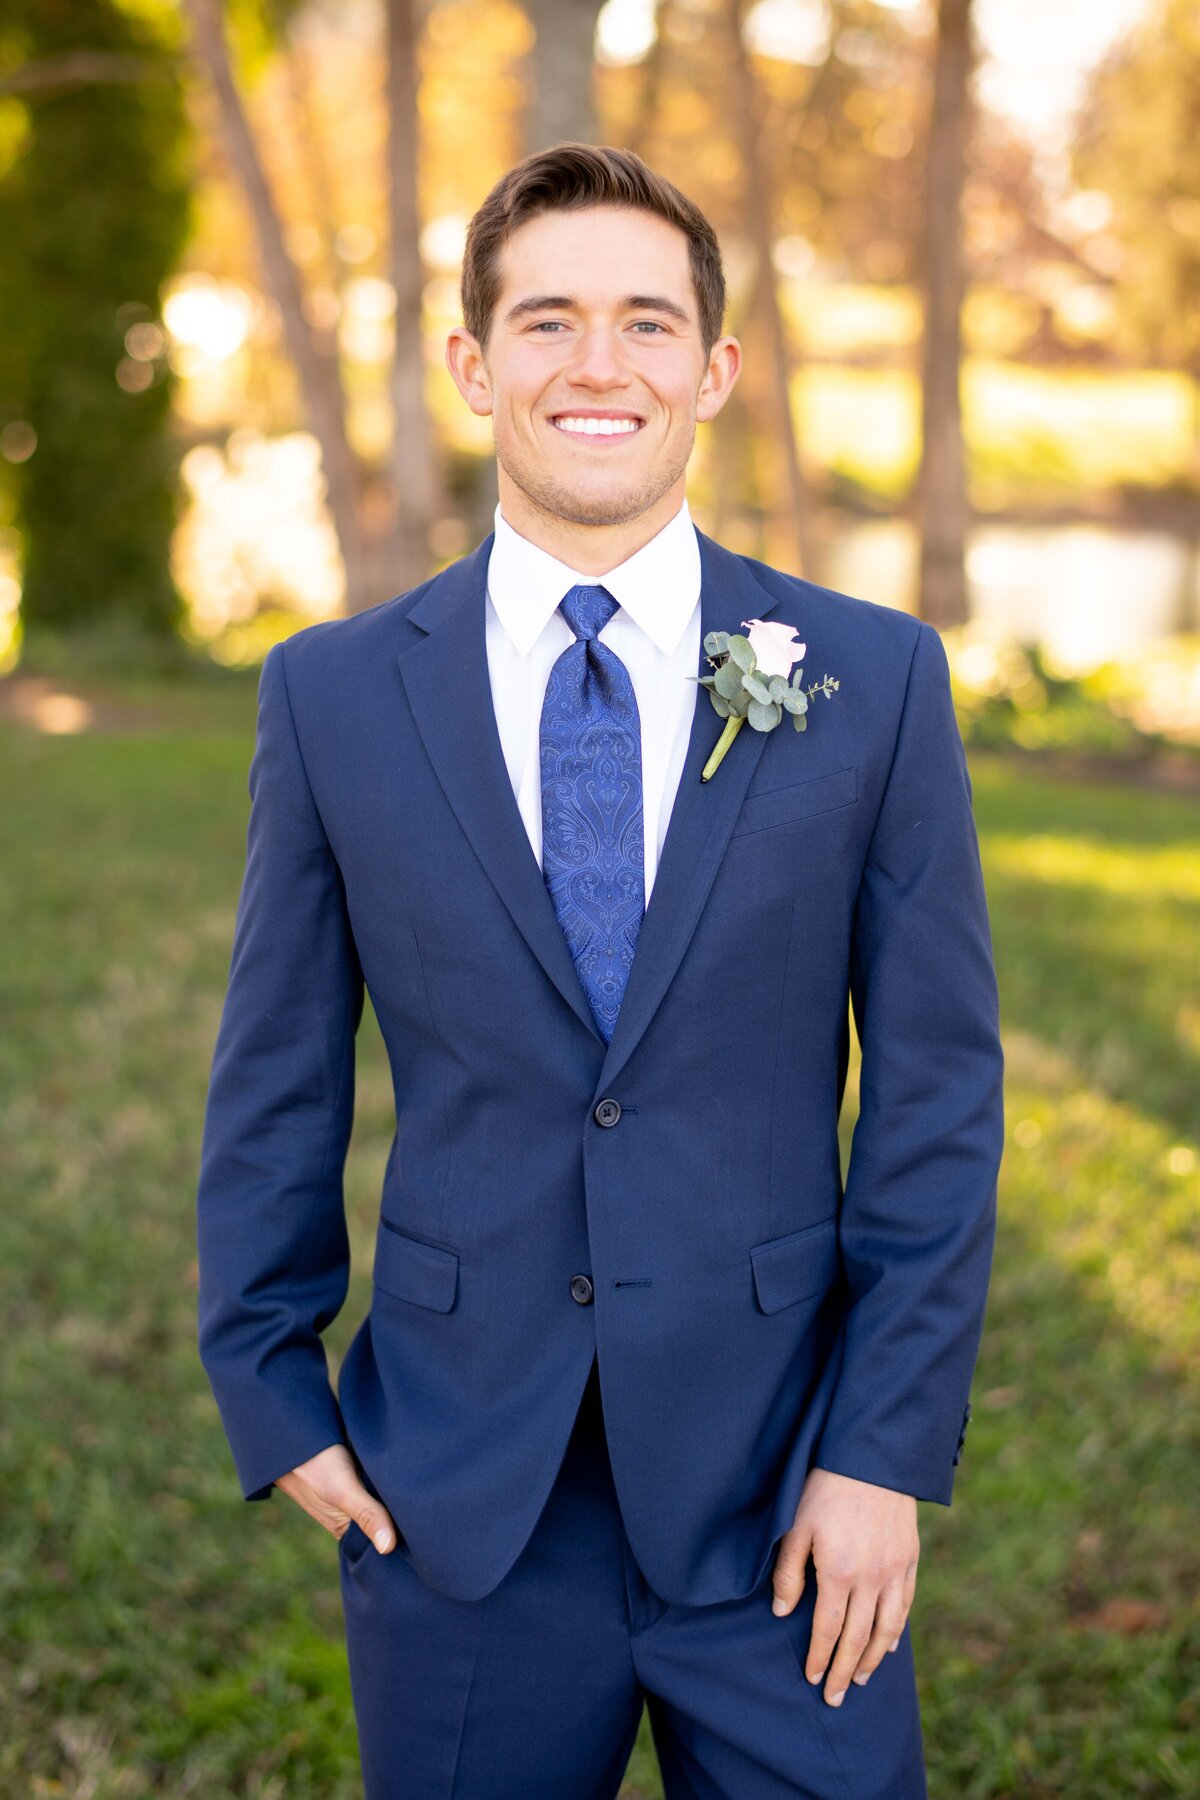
pixel 1089 593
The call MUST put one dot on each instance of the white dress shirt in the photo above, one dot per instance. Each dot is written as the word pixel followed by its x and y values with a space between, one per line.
pixel 655 631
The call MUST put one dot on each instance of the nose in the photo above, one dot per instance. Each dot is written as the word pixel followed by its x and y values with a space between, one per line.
pixel 597 361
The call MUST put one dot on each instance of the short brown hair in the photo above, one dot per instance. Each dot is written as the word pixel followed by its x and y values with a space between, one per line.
pixel 570 176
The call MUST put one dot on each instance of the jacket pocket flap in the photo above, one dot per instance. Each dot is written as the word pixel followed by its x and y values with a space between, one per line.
pixel 796 1266
pixel 408 1269
pixel 798 800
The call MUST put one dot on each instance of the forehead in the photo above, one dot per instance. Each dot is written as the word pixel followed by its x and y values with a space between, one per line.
pixel 598 254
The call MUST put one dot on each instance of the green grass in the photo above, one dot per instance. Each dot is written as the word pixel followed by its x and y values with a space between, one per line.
pixel 157 1637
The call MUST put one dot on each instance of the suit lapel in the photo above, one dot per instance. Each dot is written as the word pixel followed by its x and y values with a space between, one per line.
pixel 449 689
pixel 445 675
pixel 703 814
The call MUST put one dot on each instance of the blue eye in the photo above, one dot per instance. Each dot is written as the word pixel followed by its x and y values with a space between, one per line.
pixel 544 323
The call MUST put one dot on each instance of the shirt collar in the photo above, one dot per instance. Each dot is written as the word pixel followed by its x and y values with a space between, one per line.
pixel 657 586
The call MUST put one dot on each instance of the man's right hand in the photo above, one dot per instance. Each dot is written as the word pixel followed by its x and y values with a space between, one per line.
pixel 328 1487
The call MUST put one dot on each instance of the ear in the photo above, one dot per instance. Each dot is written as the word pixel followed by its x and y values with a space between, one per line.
pixel 469 371
pixel 724 367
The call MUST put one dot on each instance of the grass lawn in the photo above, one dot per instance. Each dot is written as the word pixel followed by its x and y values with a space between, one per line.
pixel 158 1637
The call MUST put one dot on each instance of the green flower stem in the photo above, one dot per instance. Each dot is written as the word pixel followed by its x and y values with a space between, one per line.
pixel 732 727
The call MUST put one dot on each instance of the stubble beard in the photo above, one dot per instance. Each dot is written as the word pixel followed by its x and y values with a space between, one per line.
pixel 558 500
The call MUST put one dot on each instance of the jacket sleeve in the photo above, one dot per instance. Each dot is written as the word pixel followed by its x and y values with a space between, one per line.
pixel 273 1248
pixel 918 1215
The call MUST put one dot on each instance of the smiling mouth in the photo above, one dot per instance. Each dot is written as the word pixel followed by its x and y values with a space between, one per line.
pixel 600 431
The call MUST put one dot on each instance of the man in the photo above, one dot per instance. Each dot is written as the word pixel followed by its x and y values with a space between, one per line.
pixel 644 1402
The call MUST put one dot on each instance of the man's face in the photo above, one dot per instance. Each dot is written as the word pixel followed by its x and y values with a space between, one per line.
pixel 597 320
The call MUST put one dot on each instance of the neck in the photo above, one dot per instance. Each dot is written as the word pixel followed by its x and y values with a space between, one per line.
pixel 591 549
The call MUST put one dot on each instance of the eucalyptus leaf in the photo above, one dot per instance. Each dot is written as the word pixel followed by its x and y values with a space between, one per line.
pixel 716 643
pixel 722 706
pixel 741 653
pixel 799 721
pixel 728 680
pixel 761 717
pixel 795 702
pixel 754 684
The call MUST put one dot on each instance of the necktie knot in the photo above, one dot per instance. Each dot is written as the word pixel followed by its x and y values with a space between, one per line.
pixel 587 610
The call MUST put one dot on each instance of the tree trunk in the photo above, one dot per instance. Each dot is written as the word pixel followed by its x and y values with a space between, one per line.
pixel 750 109
pixel 417 481
pixel 941 486
pixel 560 102
pixel 311 147
pixel 317 370
pixel 650 84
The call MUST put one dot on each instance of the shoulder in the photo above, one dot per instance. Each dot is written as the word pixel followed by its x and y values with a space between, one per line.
pixel 889 658
pixel 351 638
pixel 847 621
pixel 338 661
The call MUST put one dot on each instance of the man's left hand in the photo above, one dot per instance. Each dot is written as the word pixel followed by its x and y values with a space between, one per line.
pixel 864 1544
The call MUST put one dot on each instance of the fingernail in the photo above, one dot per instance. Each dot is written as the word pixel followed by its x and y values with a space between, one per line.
pixel 815 1678
pixel 778 1606
pixel 836 1699
pixel 895 1645
pixel 860 1680
pixel 383 1538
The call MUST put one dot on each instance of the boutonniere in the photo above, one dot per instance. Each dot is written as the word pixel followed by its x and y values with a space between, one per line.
pixel 751 681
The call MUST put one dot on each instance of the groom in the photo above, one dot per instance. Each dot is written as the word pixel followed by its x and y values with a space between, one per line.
pixel 645 1399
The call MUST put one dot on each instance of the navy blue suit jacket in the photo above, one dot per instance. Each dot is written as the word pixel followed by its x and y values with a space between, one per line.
pixel 751 1317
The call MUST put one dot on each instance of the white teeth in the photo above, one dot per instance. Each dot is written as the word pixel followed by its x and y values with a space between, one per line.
pixel 597 427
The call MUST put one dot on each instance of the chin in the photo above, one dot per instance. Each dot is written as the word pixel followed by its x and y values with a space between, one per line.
pixel 581 506
pixel 585 509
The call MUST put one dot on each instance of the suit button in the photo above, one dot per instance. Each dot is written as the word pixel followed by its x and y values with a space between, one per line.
pixel 581 1289
pixel 606 1112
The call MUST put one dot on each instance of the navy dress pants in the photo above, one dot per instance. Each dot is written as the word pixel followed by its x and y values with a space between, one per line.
pixel 536 1691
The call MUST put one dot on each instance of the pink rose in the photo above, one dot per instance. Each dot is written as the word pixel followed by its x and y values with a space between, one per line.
pixel 773 645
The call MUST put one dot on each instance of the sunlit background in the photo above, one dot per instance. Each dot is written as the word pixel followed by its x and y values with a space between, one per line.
pixel 1069 434
pixel 230 245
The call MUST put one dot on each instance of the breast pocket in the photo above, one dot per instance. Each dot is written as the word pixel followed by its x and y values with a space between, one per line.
pixel 798 800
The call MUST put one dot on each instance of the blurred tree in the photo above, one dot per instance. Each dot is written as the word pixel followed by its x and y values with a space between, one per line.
pixel 749 112
pixel 648 89
pixel 90 111
pixel 416 472
pixel 941 485
pixel 845 112
pixel 382 517
pixel 1137 141
pixel 560 81
pixel 805 147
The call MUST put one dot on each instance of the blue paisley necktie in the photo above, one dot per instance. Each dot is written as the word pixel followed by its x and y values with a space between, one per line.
pixel 593 855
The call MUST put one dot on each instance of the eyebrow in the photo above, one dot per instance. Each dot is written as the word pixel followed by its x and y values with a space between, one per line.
pixel 564 303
